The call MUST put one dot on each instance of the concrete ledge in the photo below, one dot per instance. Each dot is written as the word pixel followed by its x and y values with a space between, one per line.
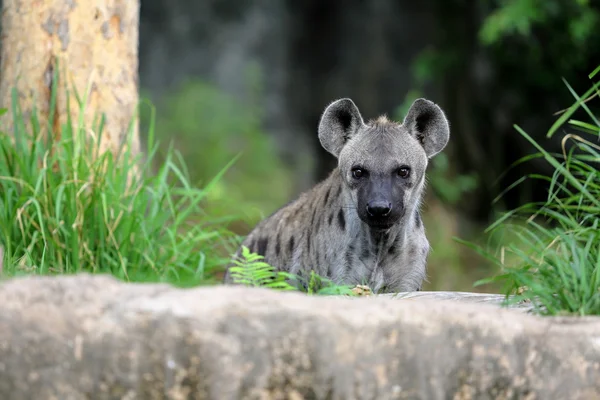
pixel 466 297
pixel 90 337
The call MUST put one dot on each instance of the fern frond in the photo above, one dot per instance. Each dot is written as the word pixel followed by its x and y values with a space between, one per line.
pixel 250 269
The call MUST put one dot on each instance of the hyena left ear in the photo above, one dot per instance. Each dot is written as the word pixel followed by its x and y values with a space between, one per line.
pixel 427 123
pixel 340 121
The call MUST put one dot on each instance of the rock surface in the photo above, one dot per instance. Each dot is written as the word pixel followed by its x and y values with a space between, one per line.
pixel 468 297
pixel 88 337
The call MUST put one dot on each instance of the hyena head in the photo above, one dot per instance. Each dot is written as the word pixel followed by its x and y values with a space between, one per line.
pixel 383 163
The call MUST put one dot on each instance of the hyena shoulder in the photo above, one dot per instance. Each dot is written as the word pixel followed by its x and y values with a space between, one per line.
pixel 287 232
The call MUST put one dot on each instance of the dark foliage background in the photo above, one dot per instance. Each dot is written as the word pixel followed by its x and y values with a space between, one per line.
pixel 263 71
pixel 254 76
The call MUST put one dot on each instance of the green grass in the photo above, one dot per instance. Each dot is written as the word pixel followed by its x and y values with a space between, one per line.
pixel 65 208
pixel 209 128
pixel 553 258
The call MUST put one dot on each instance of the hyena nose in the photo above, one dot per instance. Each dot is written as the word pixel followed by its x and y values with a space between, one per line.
pixel 379 208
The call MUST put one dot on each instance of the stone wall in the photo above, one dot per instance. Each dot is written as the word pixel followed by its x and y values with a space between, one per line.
pixel 90 337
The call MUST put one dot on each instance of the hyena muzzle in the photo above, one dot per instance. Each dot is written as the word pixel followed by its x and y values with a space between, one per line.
pixel 361 225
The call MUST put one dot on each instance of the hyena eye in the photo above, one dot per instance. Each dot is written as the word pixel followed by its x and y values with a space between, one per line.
pixel 403 172
pixel 358 173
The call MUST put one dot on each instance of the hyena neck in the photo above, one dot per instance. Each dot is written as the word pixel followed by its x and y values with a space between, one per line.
pixel 390 240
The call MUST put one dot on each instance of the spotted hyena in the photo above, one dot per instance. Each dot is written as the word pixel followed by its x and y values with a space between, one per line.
pixel 361 225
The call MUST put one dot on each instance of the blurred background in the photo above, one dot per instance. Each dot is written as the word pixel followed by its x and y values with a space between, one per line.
pixel 253 77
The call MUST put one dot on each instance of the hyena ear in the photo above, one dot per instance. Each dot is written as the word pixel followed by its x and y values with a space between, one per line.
pixel 427 123
pixel 340 121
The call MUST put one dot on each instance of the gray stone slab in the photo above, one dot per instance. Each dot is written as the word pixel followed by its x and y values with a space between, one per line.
pixel 88 337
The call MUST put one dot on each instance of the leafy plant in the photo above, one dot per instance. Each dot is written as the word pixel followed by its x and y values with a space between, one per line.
pixel 66 208
pixel 320 285
pixel 250 269
pixel 554 258
pixel 517 17
pixel 449 189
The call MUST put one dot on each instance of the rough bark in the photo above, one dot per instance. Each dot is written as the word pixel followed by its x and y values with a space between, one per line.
pixel 96 45
pixel 93 338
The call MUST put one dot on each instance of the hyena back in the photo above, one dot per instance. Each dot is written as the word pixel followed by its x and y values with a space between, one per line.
pixel 361 225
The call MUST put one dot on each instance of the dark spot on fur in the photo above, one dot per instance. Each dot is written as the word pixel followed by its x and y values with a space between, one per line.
pixel 392 249
pixel 349 257
pixel 341 220
pixel 339 191
pixel 318 224
pixel 278 244
pixel 263 244
pixel 330 219
pixel 418 289
pixel 418 219
pixel 312 219
pixel 365 253
pixel 308 241
pixel 317 258
pixel 291 245
pixel 412 252
pixel 327 196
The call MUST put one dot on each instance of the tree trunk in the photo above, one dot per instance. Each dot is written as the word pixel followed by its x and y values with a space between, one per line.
pixel 96 45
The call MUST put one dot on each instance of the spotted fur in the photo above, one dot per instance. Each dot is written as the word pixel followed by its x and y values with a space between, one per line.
pixel 339 228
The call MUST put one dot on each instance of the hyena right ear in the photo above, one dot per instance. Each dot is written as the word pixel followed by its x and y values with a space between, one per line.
pixel 340 121
pixel 427 123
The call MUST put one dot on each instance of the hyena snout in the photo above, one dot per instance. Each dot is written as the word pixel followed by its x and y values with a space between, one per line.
pixel 379 199
pixel 379 208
